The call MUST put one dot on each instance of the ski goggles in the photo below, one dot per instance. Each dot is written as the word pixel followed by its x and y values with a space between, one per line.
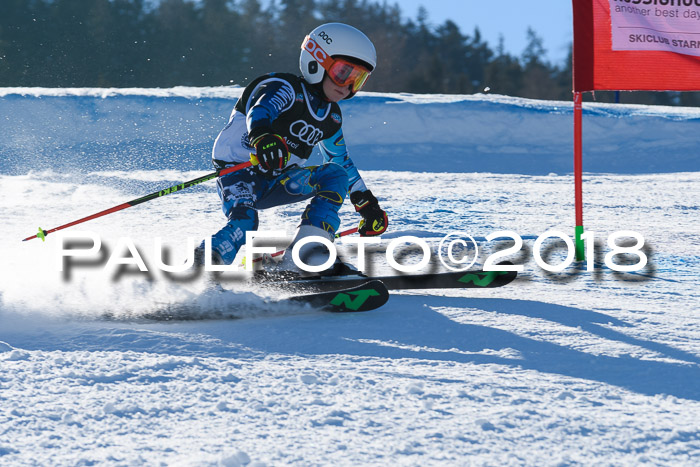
pixel 341 71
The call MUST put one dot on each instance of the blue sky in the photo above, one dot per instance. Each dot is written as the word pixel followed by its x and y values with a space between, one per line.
pixel 551 19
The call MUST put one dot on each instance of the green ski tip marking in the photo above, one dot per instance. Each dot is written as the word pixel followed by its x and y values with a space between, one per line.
pixel 41 234
pixel 361 296
pixel 481 279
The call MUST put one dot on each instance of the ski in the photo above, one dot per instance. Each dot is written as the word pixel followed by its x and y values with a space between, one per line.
pixel 450 280
pixel 366 296
pixel 442 280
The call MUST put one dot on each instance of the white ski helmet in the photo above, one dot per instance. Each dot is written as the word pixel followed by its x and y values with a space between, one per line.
pixel 334 39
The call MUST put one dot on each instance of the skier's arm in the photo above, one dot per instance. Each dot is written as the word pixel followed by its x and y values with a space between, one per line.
pixel 267 104
pixel 374 219
pixel 271 152
pixel 334 150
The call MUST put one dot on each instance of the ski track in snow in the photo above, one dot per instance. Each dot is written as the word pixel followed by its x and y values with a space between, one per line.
pixel 591 368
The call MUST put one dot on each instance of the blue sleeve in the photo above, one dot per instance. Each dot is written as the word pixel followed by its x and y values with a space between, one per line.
pixel 334 150
pixel 272 98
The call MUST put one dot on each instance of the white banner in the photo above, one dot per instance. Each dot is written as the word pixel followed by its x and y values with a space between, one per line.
pixel 666 25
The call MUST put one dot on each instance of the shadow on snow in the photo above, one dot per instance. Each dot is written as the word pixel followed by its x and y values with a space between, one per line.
pixel 407 328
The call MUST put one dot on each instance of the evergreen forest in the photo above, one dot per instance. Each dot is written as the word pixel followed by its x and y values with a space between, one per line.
pixel 164 43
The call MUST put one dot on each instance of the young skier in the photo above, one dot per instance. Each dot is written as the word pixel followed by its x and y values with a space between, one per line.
pixel 276 124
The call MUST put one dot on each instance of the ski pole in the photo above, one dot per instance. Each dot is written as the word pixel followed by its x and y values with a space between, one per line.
pixel 181 186
pixel 279 252
pixel 347 232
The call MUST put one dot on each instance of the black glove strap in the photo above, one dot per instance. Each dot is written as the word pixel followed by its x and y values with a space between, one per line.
pixel 363 200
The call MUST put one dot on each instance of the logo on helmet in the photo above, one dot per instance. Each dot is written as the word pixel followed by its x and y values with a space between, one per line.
pixel 325 37
pixel 316 52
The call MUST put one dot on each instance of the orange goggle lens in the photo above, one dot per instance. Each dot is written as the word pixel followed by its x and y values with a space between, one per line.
pixel 344 73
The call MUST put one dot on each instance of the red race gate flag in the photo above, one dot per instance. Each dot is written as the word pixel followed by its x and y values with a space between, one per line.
pixel 635 45
pixel 640 45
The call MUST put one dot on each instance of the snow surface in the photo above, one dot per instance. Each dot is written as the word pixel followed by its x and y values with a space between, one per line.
pixel 577 367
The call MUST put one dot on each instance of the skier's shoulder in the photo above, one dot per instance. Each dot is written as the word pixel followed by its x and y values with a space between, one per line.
pixel 285 84
pixel 297 89
pixel 275 80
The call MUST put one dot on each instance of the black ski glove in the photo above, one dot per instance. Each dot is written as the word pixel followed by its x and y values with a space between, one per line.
pixel 271 153
pixel 374 220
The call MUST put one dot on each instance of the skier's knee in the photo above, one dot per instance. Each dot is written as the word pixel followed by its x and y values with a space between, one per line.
pixel 321 215
pixel 332 181
pixel 243 216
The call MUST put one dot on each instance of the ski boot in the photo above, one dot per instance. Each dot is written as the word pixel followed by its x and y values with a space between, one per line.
pixel 312 254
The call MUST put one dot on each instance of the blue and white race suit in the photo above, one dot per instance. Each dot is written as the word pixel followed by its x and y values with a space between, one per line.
pixel 288 106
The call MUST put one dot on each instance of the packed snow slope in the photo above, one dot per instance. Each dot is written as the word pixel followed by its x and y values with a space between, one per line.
pixel 114 129
pixel 558 368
